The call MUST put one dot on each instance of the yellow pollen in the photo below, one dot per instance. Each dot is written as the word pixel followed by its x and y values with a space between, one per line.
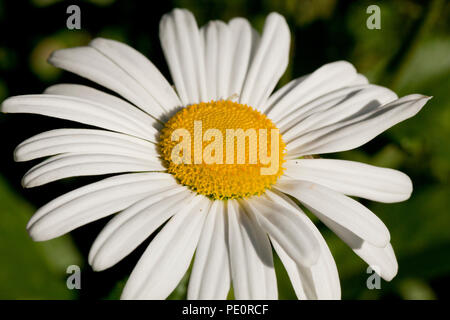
pixel 214 165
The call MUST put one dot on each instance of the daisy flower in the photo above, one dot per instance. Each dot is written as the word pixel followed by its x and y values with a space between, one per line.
pixel 229 215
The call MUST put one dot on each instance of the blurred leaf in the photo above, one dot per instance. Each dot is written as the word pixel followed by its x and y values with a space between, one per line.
pixel 44 3
pixel 44 48
pixel 416 289
pixel 303 12
pixel 30 270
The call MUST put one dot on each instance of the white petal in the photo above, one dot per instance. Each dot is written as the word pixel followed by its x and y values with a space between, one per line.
pixel 210 276
pixel 243 45
pixel 360 79
pixel 352 178
pixel 131 227
pixel 320 281
pixel 84 141
pixel 269 63
pixel 142 70
pixel 80 110
pixel 335 206
pixel 169 254
pixel 218 56
pixel 381 259
pixel 90 63
pixel 361 101
pixel 317 105
pixel 356 131
pixel 72 165
pixel 93 202
pixel 329 77
pixel 108 101
pixel 184 52
pixel 286 226
pixel 251 257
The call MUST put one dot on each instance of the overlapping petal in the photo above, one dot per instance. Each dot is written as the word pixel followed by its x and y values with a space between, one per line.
pixel 357 130
pixel 94 201
pixel 251 259
pixel 132 226
pixel 168 256
pixel 90 112
pixel 352 178
pixel 84 141
pixel 339 208
pixel 210 276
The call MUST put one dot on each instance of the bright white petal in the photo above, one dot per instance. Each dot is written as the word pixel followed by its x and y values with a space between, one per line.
pixel 251 257
pixel 269 62
pixel 361 101
pixel 360 79
pixel 210 276
pixel 286 226
pixel 244 42
pixel 92 64
pixel 352 178
pixel 131 227
pixel 73 165
pixel 80 110
pixel 142 71
pixel 317 105
pixel 355 131
pixel 328 78
pixel 108 101
pixel 84 141
pixel 339 208
pixel 381 259
pixel 320 281
pixel 183 48
pixel 169 254
pixel 93 202
pixel 218 59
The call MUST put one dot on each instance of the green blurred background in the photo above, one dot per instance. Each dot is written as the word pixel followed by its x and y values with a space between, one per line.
pixel 410 54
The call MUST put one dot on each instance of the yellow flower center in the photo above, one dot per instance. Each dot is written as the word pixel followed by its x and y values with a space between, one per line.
pixel 222 149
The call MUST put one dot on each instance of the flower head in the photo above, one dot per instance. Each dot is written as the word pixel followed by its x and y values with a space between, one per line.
pixel 229 206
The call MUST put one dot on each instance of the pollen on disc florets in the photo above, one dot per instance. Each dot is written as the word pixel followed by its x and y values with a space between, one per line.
pixel 222 179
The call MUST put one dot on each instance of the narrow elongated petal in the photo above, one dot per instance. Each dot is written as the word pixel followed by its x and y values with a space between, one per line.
pixel 80 110
pixel 356 131
pixel 93 202
pixel 290 229
pixel 352 178
pixel 244 42
pixel 269 62
pixel 251 257
pixel 132 226
pixel 329 77
pixel 84 141
pixel 142 71
pixel 184 52
pixel 361 101
pixel 72 165
pixel 218 55
pixel 169 254
pixel 319 281
pixel 343 210
pixel 210 276
pixel 108 101
pixel 381 259
pixel 92 64
pixel 318 105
